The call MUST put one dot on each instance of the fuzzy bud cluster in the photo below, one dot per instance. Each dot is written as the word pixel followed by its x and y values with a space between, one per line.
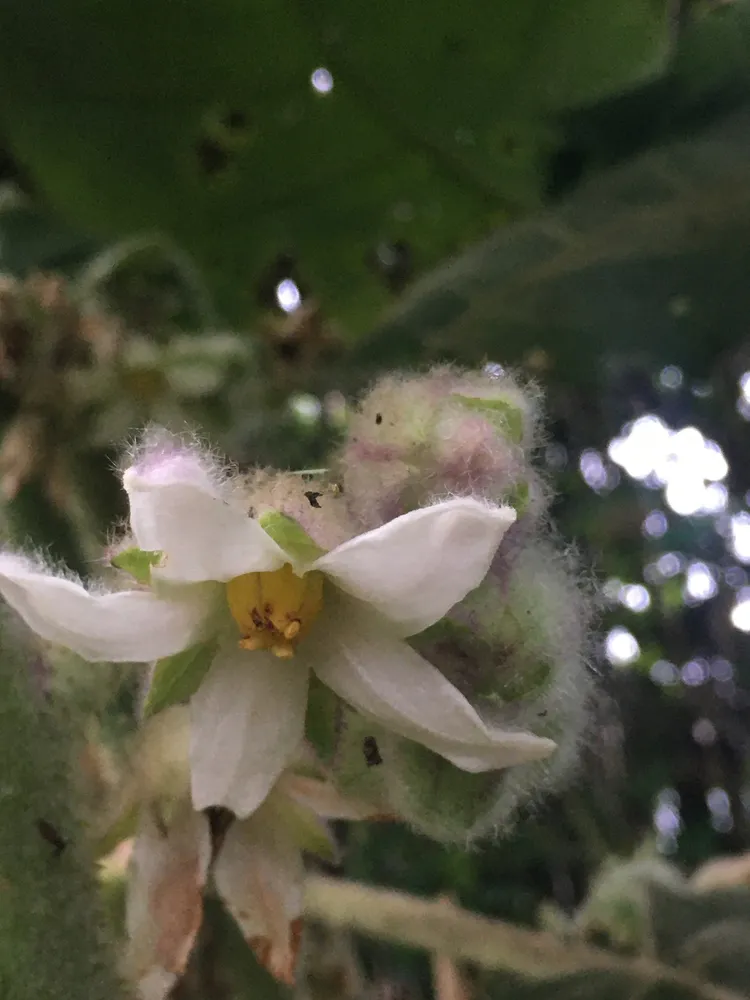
pixel 516 647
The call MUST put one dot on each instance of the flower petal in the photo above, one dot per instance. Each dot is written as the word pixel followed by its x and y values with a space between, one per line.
pixel 259 874
pixel 177 507
pixel 131 626
pixel 324 799
pixel 165 899
pixel 415 568
pixel 247 720
pixel 385 679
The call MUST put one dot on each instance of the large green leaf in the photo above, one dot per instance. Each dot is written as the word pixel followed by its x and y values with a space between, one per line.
pixel 200 120
pixel 30 241
pixel 650 258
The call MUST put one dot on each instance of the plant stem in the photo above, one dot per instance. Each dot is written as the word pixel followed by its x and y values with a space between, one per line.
pixel 52 939
pixel 457 934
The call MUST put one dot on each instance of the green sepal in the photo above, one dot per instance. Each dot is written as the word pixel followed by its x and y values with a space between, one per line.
pixel 308 830
pixel 323 720
pixel 510 417
pixel 124 826
pixel 287 533
pixel 518 498
pixel 176 678
pixel 527 680
pixel 137 562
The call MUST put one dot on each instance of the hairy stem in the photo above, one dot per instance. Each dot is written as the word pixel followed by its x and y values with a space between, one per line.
pixel 52 939
pixel 457 934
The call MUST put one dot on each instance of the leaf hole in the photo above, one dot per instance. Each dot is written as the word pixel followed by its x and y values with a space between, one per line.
pixel 214 159
pixel 394 263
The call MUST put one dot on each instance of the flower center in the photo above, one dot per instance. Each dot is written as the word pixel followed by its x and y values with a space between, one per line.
pixel 274 610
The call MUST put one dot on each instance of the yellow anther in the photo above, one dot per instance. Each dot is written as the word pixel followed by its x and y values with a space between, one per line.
pixel 292 630
pixel 257 641
pixel 275 610
pixel 283 652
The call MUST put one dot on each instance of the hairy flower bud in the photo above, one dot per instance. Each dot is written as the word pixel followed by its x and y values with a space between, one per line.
pixel 447 432
pixel 516 646
pixel 516 649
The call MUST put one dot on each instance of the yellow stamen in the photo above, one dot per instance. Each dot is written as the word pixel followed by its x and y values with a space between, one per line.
pixel 283 652
pixel 257 641
pixel 292 630
pixel 275 610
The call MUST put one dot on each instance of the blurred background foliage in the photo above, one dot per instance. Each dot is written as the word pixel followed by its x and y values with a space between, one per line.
pixel 234 215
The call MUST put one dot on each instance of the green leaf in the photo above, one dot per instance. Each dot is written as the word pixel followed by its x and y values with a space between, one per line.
pixel 287 533
pixel 226 146
pixel 608 270
pixel 138 563
pixel 51 941
pixel 32 241
pixel 508 416
pixel 176 678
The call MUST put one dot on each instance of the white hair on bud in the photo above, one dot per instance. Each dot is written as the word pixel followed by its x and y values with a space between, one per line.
pixel 415 438
pixel 156 444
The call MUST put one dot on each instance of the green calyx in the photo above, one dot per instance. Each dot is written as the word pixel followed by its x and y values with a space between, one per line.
pixel 176 678
pixel 138 563
pixel 508 417
pixel 289 536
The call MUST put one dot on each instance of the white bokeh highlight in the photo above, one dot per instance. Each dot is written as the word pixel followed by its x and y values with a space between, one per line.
pixel 288 295
pixel 321 80
pixel 621 647
pixel 683 462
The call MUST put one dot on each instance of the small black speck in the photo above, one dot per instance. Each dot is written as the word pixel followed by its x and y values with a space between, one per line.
pixel 288 350
pixel 213 158
pixel 312 498
pixel 542 714
pixel 235 121
pixel 371 751
pixel 378 418
pixel 49 833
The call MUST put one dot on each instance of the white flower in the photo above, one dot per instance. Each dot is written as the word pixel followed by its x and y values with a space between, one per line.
pixel 343 614
pixel 257 870
pixel 167 876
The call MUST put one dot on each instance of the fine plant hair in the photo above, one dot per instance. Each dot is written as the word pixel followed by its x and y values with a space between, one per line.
pixel 518 647
pixel 54 941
